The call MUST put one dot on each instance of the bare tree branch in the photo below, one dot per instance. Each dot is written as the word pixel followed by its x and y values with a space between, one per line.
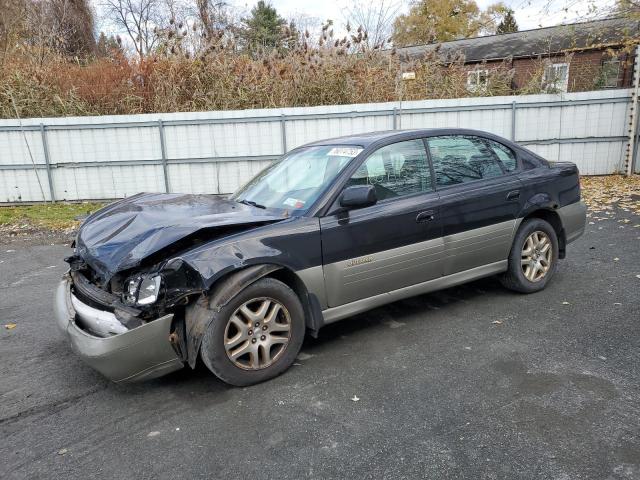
pixel 375 17
pixel 138 18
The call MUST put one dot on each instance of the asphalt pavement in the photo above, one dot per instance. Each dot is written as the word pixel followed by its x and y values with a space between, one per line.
pixel 472 382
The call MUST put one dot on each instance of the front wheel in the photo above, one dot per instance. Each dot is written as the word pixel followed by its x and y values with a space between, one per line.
pixel 533 258
pixel 256 336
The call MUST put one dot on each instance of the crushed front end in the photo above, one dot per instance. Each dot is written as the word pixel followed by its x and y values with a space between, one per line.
pixel 129 327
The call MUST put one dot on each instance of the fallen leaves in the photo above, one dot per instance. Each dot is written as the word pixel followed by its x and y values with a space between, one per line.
pixel 10 326
pixel 603 194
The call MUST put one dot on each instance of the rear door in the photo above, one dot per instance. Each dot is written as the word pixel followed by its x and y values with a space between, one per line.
pixel 480 199
pixel 392 244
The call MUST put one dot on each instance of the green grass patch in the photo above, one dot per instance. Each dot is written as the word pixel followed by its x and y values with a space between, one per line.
pixel 55 216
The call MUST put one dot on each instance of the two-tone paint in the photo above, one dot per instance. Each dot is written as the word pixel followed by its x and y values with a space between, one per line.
pixel 339 262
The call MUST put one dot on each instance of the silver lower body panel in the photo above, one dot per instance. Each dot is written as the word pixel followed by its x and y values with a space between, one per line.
pixel 574 220
pixel 338 313
pixel 133 355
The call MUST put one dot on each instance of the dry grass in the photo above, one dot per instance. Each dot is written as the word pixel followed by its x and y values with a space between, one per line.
pixel 45 84
pixel 48 216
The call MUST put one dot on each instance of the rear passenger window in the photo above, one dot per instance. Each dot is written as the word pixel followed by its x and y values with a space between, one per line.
pixel 395 170
pixel 505 155
pixel 462 158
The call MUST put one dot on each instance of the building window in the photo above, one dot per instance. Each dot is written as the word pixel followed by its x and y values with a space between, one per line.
pixel 477 80
pixel 610 73
pixel 556 77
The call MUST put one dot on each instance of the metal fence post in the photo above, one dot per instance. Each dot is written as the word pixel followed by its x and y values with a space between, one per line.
pixel 395 118
pixel 634 110
pixel 163 150
pixel 283 133
pixel 45 149
pixel 513 121
pixel 636 153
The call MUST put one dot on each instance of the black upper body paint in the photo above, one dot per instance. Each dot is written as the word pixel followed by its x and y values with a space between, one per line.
pixel 213 236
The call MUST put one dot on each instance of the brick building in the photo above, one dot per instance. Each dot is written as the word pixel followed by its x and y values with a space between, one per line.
pixel 564 58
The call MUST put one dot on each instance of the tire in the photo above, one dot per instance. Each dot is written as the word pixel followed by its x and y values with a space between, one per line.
pixel 233 331
pixel 521 277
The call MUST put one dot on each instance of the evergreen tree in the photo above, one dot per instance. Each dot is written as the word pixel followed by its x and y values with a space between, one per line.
pixel 264 28
pixel 508 23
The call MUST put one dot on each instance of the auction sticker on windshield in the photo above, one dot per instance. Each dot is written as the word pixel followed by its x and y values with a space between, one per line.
pixel 294 202
pixel 344 151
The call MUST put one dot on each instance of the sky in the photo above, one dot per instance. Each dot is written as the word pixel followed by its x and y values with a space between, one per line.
pixel 529 13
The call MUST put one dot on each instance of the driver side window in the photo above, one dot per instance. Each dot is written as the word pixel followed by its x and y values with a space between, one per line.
pixel 395 170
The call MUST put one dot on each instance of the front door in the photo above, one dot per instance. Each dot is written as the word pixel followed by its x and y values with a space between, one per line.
pixel 479 199
pixel 392 244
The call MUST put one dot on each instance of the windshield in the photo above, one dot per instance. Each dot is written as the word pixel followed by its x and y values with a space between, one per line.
pixel 295 182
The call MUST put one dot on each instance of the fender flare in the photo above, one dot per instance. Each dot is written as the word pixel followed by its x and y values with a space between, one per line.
pixel 199 316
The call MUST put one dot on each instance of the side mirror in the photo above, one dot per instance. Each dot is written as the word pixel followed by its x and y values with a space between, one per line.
pixel 358 196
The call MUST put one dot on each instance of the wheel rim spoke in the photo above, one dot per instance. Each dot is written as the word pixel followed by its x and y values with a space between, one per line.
pixel 235 341
pixel 536 256
pixel 240 351
pixel 257 333
pixel 265 353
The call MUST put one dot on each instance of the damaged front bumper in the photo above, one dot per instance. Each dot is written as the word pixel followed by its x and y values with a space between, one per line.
pixel 141 353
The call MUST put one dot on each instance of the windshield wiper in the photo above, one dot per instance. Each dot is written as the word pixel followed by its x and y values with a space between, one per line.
pixel 252 203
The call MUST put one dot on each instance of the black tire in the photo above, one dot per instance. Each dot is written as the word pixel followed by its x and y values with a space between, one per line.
pixel 214 354
pixel 514 278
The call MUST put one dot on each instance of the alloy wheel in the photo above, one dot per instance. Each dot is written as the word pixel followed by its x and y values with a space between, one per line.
pixel 537 256
pixel 257 333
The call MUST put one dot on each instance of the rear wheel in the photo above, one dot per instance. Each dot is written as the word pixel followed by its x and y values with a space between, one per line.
pixel 533 257
pixel 256 336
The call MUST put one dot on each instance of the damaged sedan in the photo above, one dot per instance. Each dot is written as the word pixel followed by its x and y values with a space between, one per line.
pixel 332 229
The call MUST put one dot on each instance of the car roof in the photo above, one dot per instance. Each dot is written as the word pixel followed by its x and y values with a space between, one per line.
pixel 366 139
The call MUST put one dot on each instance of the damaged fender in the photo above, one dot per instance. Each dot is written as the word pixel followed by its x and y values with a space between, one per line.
pixel 199 315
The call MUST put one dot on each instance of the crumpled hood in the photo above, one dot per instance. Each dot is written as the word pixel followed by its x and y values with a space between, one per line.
pixel 121 235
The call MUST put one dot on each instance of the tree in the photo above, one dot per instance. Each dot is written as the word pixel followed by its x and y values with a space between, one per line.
pixel 11 25
pixel 508 23
pixel 73 22
pixel 110 46
pixel 376 18
pixel 430 21
pixel 138 18
pixel 214 17
pixel 264 28
pixel 627 7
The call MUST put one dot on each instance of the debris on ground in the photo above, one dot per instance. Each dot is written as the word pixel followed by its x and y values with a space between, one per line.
pixel 355 398
pixel 603 193
pixel 43 222
pixel 10 326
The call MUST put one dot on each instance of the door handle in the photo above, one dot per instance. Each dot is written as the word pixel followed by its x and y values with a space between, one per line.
pixel 513 195
pixel 425 216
